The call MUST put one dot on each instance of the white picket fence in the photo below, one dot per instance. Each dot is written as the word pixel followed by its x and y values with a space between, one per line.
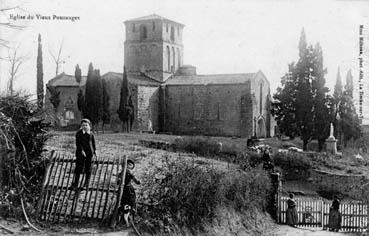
pixel 314 212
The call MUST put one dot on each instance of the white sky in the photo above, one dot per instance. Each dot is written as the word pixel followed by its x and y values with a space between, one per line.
pixel 220 36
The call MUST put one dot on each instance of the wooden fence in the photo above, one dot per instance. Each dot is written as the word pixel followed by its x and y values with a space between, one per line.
pixel 59 202
pixel 314 212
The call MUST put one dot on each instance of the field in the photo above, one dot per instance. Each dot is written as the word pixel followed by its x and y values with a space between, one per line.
pixel 116 145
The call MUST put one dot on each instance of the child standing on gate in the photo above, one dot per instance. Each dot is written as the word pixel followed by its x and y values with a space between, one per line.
pixel 128 201
pixel 85 149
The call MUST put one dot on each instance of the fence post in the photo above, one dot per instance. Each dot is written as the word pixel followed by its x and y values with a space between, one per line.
pixel 322 209
pixel 120 194
pixel 276 188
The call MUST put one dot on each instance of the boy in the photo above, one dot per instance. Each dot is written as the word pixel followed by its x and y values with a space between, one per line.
pixel 85 143
pixel 128 202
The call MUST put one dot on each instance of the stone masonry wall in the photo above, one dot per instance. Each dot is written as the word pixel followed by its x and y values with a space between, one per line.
pixel 148 107
pixel 209 109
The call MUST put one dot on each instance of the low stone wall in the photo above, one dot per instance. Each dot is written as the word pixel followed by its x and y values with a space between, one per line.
pixel 350 185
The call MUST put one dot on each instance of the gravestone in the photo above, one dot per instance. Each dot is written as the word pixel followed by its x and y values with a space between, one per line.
pixel 331 142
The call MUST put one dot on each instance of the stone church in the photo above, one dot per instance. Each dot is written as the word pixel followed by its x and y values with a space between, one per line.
pixel 170 96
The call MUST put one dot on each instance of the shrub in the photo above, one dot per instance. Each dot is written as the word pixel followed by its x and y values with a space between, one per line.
pixel 295 165
pixel 25 133
pixel 179 192
pixel 198 145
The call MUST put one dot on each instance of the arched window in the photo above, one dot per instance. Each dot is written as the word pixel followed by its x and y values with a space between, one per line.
pixel 168 58
pixel 174 59
pixel 153 26
pixel 172 33
pixel 143 32
pixel 133 27
pixel 178 58
pixel 261 98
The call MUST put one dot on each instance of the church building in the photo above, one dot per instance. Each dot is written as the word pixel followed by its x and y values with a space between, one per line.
pixel 170 96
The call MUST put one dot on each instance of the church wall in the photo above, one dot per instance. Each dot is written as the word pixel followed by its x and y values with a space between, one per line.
pixel 153 27
pixel 257 102
pixel 148 107
pixel 143 55
pixel 223 109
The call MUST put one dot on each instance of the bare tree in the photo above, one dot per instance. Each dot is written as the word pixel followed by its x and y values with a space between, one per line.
pixel 4 43
pixel 58 57
pixel 15 61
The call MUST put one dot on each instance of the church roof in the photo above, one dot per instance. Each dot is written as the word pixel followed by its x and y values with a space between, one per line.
pixel 136 79
pixel 152 17
pixel 210 79
pixel 66 80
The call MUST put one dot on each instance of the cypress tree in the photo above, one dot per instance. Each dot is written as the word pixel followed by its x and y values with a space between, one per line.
pixel 90 94
pixel 78 74
pixel 123 103
pixel 105 104
pixel 40 75
pixel 81 102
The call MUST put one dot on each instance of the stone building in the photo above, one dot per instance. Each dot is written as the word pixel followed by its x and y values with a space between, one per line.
pixel 172 96
pixel 67 113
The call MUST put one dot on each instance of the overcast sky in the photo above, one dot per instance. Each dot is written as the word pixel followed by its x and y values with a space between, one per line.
pixel 220 36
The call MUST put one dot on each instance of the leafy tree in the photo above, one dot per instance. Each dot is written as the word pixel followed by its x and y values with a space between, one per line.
pixel 322 115
pixel 284 107
pixel 301 108
pixel 349 86
pixel 54 96
pixel 105 104
pixel 123 112
pixel 347 119
pixel 40 75
pixel 78 74
pixel 337 94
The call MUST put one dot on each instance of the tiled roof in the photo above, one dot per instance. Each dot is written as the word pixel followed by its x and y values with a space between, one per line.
pixel 210 79
pixel 152 17
pixel 66 80
pixel 132 78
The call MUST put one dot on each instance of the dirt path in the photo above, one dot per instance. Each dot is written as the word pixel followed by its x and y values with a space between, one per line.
pixel 284 230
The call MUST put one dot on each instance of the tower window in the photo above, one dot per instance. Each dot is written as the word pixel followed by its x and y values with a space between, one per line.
pixel 172 33
pixel 178 31
pixel 168 57
pixel 133 27
pixel 167 27
pixel 143 32
pixel 179 58
pixel 153 26
pixel 174 60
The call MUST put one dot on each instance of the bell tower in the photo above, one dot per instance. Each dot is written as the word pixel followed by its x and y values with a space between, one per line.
pixel 153 45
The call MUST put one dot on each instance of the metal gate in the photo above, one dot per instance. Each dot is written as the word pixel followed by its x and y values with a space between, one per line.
pixel 59 202
pixel 314 212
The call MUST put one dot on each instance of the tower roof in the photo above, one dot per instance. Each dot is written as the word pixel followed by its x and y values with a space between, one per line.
pixel 152 17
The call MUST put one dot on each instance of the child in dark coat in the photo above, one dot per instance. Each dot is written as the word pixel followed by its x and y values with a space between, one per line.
pixel 85 149
pixel 128 201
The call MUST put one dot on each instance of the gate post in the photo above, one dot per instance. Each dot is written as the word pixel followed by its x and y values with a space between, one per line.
pixel 276 186
pixel 322 209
